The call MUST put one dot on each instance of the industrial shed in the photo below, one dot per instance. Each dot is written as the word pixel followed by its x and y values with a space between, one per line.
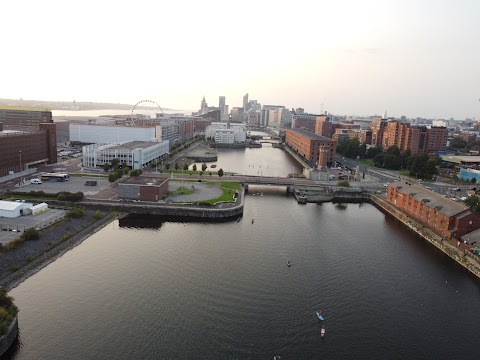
pixel 39 208
pixel 13 209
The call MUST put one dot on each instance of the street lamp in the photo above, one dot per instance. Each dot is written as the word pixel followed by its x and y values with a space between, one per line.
pixel 20 155
pixel 293 172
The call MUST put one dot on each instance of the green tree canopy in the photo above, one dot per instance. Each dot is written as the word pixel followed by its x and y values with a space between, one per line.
pixel 343 183
pixel 220 172
pixel 473 202
pixel 106 167
pixel 204 167
pixel 194 167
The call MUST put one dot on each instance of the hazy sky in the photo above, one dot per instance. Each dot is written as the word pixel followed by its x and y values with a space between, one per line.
pixel 413 58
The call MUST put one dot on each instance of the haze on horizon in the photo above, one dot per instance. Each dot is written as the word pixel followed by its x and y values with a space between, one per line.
pixel 412 58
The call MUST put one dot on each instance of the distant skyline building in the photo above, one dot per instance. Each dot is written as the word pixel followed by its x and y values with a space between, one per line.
pixel 245 101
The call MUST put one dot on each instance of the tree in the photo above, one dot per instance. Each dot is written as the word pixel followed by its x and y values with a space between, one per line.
pixel 167 166
pixel 220 172
pixel 473 181
pixel 106 167
pixel 112 177
pixel 115 162
pixel 473 202
pixel 176 166
pixel 343 183
pixel 204 167
pixel 194 168
pixel 185 167
pixel 458 143
pixel 126 170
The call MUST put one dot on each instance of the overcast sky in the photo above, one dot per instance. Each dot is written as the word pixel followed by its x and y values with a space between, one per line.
pixel 413 58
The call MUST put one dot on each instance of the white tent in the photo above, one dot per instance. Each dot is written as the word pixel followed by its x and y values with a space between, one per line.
pixel 13 209
pixel 39 208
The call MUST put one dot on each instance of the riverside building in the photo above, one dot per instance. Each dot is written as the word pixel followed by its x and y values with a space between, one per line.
pixel 318 151
pixel 135 154
pixel 447 218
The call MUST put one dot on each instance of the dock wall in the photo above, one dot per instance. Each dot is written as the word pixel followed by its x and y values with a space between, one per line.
pixel 465 258
pixel 7 340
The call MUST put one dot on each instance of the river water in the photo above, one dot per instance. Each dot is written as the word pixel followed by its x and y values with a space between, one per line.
pixel 153 289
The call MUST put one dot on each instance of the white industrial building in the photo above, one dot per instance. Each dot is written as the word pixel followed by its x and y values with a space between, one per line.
pixel 13 209
pixel 104 134
pixel 225 134
pixel 135 154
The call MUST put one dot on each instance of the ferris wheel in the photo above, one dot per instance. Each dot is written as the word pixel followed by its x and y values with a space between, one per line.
pixel 138 104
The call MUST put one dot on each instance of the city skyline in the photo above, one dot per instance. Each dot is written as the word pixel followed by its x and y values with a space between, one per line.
pixel 416 59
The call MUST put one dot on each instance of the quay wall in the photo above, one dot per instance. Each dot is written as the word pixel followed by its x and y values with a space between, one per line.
pixel 7 340
pixel 468 260
pixel 221 211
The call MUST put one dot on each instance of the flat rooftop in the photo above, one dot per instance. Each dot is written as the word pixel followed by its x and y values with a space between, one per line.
pixel 445 206
pixel 20 108
pixel 133 145
pixel 461 159
pixel 144 180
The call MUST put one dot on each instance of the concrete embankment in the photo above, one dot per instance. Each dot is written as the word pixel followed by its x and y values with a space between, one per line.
pixel 468 260
pixel 7 340
pixel 219 211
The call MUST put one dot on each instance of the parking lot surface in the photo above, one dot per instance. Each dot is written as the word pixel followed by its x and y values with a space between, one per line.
pixel 75 184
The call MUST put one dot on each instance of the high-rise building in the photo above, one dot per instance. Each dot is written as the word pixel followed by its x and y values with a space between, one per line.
pixel 378 126
pixel 245 101
pixel 323 126
pixel 221 102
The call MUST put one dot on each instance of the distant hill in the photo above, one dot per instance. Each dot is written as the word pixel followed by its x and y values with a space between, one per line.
pixel 70 105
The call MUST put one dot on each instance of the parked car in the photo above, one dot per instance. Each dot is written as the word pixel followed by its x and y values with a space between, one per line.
pixel 91 183
pixel 35 181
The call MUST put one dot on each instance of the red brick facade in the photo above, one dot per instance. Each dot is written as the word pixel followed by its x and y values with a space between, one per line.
pixel 319 151
pixel 443 216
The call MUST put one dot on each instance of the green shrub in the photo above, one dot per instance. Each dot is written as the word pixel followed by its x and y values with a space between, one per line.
pixel 97 215
pixel 12 245
pixel 76 213
pixel 30 234
pixel 68 196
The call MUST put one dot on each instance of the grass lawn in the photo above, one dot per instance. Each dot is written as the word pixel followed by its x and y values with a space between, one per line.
pixel 229 188
pixel 367 162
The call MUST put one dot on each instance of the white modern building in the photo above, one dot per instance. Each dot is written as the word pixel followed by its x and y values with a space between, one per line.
pixel 225 134
pixel 135 154
pixel 101 134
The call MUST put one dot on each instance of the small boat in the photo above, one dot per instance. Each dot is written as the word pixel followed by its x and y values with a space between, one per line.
pixel 320 317
pixel 322 332
pixel 288 263
pixel 238 220
pixel 253 220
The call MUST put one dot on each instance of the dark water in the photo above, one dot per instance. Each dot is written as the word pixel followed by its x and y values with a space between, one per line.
pixel 177 290
pixel 154 289
pixel 265 161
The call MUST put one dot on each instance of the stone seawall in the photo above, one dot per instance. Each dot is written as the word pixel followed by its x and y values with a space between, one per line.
pixel 221 211
pixel 7 340
pixel 468 260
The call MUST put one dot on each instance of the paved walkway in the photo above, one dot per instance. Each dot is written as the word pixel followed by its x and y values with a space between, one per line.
pixel 202 191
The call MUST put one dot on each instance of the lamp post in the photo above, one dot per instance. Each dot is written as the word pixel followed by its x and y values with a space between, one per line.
pixel 293 172
pixel 20 155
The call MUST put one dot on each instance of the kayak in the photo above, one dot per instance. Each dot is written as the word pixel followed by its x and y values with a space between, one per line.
pixel 320 317
pixel 323 331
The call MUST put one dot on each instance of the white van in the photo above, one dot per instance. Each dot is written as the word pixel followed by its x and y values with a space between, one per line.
pixel 35 181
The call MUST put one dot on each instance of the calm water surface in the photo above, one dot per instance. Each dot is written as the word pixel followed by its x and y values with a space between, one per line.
pixel 152 289
pixel 223 291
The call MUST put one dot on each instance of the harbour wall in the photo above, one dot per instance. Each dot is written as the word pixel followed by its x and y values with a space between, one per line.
pixel 465 258
pixel 7 340
pixel 220 211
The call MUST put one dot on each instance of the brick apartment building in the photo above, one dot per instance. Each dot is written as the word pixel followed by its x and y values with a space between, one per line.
pixel 316 150
pixel 323 126
pixel 417 139
pixel 443 216
pixel 364 136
